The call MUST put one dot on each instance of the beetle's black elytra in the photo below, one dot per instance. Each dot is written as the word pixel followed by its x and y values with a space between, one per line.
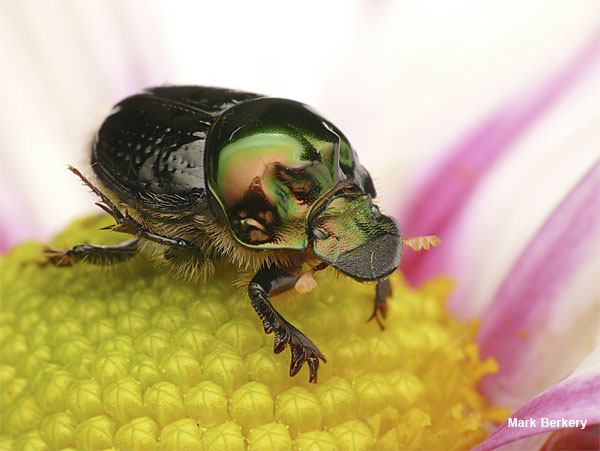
pixel 265 183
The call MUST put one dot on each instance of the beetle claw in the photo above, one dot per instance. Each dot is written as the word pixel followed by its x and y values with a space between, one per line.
pixel 280 343
pixel 380 309
pixel 313 365
pixel 301 354
pixel 301 348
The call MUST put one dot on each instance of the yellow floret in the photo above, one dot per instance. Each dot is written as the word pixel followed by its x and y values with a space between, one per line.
pixel 138 434
pixel 133 358
pixel 251 405
pixel 225 437
pixel 207 404
pixel 269 437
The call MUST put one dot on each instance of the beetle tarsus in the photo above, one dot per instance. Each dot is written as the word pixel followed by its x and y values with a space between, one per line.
pixel 267 281
pixel 302 349
pixel 106 204
pixel 96 255
pixel 382 291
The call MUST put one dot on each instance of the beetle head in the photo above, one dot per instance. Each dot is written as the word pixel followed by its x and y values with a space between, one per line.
pixel 350 233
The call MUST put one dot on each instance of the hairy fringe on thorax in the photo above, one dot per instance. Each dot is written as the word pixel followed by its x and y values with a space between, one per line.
pixel 214 241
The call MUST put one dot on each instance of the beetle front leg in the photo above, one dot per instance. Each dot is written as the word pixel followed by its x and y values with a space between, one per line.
pixel 382 291
pixel 275 280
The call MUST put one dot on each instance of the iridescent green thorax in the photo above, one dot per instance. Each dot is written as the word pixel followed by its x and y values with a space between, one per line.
pixel 268 162
pixel 267 184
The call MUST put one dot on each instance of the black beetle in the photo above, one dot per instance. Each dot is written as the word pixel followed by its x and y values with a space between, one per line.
pixel 266 183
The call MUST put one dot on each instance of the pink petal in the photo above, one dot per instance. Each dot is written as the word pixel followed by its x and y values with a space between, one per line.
pixel 575 398
pixel 589 438
pixel 532 306
pixel 439 203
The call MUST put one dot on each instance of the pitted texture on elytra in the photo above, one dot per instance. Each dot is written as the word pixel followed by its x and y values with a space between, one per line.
pixel 135 359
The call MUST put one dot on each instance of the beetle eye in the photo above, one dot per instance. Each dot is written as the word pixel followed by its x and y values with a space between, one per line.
pixel 319 234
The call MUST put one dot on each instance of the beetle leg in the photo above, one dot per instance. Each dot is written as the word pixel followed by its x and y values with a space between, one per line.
pixel 132 227
pixel 382 291
pixel 127 224
pixel 106 204
pixel 96 255
pixel 275 280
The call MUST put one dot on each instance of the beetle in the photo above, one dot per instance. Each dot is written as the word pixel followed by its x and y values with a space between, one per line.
pixel 265 183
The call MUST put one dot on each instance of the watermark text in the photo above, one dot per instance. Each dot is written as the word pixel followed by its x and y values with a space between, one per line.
pixel 543 422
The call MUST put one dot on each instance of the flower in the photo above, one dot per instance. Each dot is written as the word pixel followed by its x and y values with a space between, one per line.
pixel 138 359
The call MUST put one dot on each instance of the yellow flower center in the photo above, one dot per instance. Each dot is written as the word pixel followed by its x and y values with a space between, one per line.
pixel 133 358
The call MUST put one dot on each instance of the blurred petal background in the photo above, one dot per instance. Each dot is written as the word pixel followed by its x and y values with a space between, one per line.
pixel 404 80
pixel 407 82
